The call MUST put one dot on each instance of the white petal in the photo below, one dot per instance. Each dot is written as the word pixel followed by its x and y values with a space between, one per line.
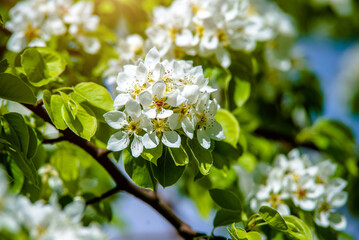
pixel 91 45
pixel 150 140
pixel 339 199
pixel 321 218
pixel 164 113
pixel 173 121
pixel 158 89
pixel 136 146
pixel 121 100
pixel 337 221
pixel 150 112
pixel 203 139
pixel 115 119
pixel 223 57
pixel 216 131
pixel 188 127
pixel 158 72
pixel 307 204
pixel 171 139
pixel 75 210
pixel 145 98
pixel 133 108
pixel 191 93
pixel 141 73
pixel 174 99
pixel 152 58
pixel 118 141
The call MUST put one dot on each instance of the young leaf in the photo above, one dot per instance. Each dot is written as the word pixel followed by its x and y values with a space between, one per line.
pixel 95 94
pixel 225 199
pixel 230 126
pixel 179 156
pixel 56 110
pixel 242 91
pixel 34 67
pixel 13 88
pixel 202 156
pixel 224 217
pixel 55 64
pixel 237 233
pixel 139 170
pixel 19 126
pixel 166 172
pixel 297 229
pixel 273 218
pixel 153 154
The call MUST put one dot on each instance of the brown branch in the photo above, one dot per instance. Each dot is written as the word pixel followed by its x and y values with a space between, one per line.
pixel 122 183
pixel 52 141
pixel 103 196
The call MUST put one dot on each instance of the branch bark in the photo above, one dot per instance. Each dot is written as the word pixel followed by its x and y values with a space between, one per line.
pixel 122 183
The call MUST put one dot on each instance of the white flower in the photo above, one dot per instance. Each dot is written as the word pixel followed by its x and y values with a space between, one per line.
pixel 167 95
pixel 205 28
pixel 334 197
pixel 130 123
pixel 82 21
pixel 208 127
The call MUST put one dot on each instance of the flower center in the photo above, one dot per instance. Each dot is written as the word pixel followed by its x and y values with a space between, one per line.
pixel 133 127
pixel 301 193
pixel 31 32
pixel 137 90
pixel 159 125
pixel 183 110
pixel 159 103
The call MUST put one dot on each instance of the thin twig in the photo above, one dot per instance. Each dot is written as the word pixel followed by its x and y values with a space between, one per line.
pixel 52 141
pixel 103 196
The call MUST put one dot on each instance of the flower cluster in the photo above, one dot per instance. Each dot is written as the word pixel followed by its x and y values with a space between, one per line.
pixel 35 22
pixel 310 187
pixel 205 28
pixel 43 221
pixel 129 50
pixel 158 101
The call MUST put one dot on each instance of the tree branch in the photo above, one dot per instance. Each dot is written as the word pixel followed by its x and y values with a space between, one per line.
pixel 122 183
pixel 55 140
pixel 103 196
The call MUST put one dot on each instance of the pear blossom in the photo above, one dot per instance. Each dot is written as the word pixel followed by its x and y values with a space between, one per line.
pixel 167 100
pixel 206 28
pixel 44 221
pixel 308 186
pixel 35 22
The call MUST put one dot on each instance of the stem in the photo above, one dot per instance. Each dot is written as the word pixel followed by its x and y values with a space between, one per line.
pixel 122 183
pixel 103 196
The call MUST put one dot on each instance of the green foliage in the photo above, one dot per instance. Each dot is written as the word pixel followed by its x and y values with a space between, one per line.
pixel 13 88
pixel 225 217
pixel 297 229
pixel 240 234
pixel 273 218
pixel 202 157
pixel 42 65
pixel 22 143
pixel 225 199
pixel 167 172
pixel 230 126
pixel 139 170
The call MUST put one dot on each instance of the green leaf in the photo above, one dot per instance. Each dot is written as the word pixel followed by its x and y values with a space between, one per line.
pixel 252 235
pixel 224 217
pixel 230 126
pixel 166 172
pixel 179 156
pixel 242 92
pixel 17 178
pixel 202 156
pixel 95 94
pixel 32 142
pixel 19 126
pixel 34 67
pixel 225 199
pixel 240 234
pixel 13 88
pixel 273 218
pixel 26 166
pixel 153 154
pixel 237 233
pixel 297 229
pixel 56 109
pixel 3 65
pixel 55 64
pixel 84 122
pixel 139 170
